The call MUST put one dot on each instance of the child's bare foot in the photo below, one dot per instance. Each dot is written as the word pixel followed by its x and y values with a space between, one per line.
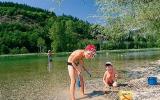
pixel 82 94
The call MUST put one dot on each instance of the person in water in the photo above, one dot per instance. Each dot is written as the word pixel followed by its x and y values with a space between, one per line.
pixel 49 56
pixel 110 76
pixel 76 67
pixel 49 60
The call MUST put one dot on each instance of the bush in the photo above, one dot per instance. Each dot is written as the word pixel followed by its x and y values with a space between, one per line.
pixel 4 49
pixel 15 50
pixel 23 50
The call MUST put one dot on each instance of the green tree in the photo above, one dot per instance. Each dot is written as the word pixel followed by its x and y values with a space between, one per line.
pixel 57 36
pixel 71 38
pixel 41 44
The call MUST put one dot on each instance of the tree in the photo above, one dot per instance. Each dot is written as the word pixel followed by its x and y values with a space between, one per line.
pixel 71 36
pixel 57 35
pixel 125 15
pixel 41 44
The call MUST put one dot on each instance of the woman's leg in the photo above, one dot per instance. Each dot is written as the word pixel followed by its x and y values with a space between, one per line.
pixel 72 75
pixel 82 85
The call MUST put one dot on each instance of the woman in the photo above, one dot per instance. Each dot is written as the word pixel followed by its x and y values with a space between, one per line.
pixel 76 66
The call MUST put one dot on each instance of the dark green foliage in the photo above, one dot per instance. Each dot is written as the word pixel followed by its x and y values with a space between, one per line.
pixel 26 29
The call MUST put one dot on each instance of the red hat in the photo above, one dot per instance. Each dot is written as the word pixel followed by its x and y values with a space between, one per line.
pixel 90 47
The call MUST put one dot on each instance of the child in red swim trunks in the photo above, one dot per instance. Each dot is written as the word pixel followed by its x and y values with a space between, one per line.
pixel 109 78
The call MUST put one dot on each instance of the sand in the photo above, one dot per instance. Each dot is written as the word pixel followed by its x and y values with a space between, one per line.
pixel 137 85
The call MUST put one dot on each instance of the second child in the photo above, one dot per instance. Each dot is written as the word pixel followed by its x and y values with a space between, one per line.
pixel 110 76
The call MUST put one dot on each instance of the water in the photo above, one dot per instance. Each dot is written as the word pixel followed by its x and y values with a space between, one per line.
pixel 30 78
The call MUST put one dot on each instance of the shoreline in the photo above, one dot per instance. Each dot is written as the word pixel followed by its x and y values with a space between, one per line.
pixel 101 51
pixel 138 86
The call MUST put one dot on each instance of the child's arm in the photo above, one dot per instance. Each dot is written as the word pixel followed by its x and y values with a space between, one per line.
pixel 104 78
pixel 116 75
pixel 115 80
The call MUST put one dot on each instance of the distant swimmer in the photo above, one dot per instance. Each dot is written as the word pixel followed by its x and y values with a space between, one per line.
pixel 49 56
pixel 49 60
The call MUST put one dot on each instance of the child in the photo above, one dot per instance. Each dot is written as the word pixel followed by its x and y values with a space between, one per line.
pixel 76 67
pixel 109 78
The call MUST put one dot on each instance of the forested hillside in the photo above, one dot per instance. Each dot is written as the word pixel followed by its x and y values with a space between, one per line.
pixel 26 29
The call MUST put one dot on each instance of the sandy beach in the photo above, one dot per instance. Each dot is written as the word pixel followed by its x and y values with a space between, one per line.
pixel 137 84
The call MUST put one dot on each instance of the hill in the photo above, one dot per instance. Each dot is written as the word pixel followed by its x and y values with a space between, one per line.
pixel 26 29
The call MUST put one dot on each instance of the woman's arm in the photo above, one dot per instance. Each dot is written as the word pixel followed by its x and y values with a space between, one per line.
pixel 82 64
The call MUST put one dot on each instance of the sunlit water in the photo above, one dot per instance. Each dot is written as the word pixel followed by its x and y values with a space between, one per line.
pixel 30 78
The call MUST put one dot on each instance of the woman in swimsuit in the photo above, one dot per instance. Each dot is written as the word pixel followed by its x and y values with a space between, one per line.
pixel 76 66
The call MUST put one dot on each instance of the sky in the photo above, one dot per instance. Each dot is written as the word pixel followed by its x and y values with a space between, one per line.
pixel 82 9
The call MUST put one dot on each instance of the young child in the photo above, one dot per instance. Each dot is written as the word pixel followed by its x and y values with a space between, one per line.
pixel 76 66
pixel 109 78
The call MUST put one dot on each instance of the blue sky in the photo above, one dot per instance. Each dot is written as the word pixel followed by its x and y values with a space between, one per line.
pixel 83 9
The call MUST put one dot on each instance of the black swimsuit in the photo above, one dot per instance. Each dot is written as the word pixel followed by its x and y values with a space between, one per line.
pixel 69 63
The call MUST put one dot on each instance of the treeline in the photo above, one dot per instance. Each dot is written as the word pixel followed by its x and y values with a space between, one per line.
pixel 25 29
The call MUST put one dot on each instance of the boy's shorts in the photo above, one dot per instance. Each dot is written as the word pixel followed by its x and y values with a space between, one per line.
pixel 110 83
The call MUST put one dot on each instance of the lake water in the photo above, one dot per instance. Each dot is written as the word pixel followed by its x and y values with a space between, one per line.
pixel 28 77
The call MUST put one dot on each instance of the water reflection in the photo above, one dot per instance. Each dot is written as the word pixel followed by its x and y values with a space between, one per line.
pixel 50 66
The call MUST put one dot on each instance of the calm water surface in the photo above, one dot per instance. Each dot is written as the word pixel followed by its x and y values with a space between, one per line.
pixel 29 78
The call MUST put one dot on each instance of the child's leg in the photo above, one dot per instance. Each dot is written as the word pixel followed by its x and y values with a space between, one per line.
pixel 82 85
pixel 108 85
pixel 72 74
pixel 107 89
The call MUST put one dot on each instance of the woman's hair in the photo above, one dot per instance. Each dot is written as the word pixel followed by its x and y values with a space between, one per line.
pixel 90 47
